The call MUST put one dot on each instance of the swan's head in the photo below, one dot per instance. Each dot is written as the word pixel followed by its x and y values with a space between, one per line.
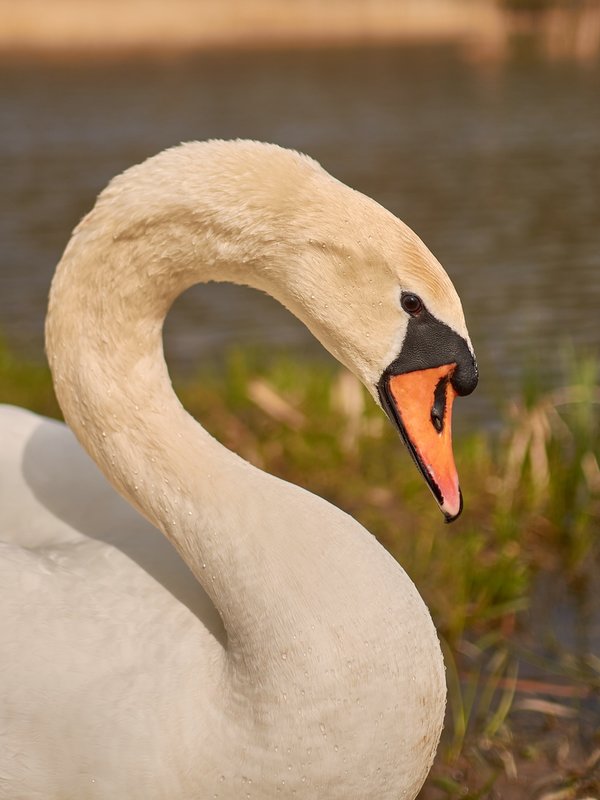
pixel 378 299
pixel 415 357
pixel 408 342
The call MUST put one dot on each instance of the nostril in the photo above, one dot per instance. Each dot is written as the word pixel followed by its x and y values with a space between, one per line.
pixel 438 409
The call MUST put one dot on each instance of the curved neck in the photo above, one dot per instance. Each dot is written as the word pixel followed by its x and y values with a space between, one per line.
pixel 245 535
pixel 249 538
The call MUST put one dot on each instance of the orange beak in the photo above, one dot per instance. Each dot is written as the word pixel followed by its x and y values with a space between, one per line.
pixel 421 404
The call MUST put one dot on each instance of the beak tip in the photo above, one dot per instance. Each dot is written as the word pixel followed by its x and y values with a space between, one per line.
pixel 452 515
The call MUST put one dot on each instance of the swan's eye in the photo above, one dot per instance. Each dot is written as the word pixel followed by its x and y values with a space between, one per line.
pixel 412 304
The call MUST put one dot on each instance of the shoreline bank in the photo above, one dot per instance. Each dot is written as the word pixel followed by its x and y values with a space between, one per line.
pixel 91 28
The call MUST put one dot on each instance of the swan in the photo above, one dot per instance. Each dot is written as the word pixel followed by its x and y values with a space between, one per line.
pixel 209 630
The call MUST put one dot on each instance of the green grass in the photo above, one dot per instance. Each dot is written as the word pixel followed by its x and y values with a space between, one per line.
pixel 532 502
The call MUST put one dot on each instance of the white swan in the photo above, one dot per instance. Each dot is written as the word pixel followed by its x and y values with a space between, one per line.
pixel 321 674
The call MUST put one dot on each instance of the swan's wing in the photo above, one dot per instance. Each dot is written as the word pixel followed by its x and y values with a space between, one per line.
pixel 96 657
pixel 99 620
pixel 53 497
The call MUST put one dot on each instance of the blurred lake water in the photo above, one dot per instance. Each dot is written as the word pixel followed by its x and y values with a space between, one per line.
pixel 495 166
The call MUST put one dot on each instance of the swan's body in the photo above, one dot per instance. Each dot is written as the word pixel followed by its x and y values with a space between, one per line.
pixel 321 674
